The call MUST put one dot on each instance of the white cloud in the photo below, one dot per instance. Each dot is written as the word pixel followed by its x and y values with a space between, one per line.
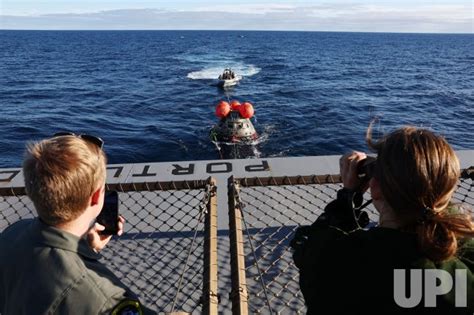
pixel 325 17
pixel 445 16
pixel 259 9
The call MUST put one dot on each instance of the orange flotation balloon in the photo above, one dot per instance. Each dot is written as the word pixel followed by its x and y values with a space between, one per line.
pixel 246 110
pixel 222 109
pixel 234 105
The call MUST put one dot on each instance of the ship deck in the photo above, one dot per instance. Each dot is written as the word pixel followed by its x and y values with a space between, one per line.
pixel 207 236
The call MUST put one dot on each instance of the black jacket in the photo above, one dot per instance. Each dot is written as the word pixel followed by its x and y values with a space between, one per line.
pixel 347 270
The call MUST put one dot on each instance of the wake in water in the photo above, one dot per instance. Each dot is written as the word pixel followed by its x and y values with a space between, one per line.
pixel 213 72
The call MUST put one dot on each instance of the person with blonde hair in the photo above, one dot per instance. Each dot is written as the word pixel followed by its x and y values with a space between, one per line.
pixel 50 264
pixel 419 259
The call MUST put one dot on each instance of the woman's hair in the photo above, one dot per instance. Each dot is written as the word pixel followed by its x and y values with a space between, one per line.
pixel 61 174
pixel 418 173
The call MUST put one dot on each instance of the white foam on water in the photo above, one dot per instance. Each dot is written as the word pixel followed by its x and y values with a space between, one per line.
pixel 265 135
pixel 256 152
pixel 212 73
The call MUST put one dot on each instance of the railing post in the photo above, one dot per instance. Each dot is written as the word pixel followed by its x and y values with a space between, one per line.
pixel 210 297
pixel 238 294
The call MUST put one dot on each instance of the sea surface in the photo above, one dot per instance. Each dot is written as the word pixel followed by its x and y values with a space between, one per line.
pixel 151 95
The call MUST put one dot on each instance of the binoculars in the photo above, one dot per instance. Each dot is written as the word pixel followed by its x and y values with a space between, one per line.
pixel 366 168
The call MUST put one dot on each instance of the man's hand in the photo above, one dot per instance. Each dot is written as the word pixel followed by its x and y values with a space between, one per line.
pixel 348 168
pixel 98 241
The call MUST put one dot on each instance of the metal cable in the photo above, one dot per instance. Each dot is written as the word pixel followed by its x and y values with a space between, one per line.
pixel 201 215
pixel 264 287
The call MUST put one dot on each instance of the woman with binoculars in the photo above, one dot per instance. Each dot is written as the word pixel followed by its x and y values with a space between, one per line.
pixel 419 259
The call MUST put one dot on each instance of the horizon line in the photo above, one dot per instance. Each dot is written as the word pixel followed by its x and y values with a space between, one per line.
pixel 231 30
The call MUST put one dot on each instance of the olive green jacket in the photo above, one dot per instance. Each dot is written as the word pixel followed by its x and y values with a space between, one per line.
pixel 45 270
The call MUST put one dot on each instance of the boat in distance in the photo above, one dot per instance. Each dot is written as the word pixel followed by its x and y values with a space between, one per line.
pixel 228 78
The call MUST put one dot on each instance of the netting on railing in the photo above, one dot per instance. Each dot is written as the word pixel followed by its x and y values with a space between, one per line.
pixel 160 255
pixel 272 209
pixel 15 208
pixel 164 227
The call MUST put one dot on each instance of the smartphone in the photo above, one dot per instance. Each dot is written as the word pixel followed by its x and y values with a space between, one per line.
pixel 109 215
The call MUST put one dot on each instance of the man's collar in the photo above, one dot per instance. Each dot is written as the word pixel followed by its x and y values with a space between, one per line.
pixel 58 238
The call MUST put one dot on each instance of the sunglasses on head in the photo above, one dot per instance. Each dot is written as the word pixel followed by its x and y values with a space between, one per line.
pixel 89 138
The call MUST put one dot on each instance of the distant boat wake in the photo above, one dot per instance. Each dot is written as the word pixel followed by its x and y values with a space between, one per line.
pixel 214 72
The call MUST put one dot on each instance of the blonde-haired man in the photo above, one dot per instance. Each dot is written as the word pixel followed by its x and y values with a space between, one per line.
pixel 49 265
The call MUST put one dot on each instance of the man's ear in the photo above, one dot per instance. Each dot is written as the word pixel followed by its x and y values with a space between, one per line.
pixel 96 197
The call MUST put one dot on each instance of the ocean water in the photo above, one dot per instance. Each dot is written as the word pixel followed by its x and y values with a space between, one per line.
pixel 151 94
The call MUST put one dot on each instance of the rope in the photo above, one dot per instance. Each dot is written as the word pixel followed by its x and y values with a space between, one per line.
pixel 216 143
pixel 227 95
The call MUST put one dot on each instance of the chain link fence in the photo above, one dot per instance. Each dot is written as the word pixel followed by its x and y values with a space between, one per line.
pixel 161 255
pixel 271 211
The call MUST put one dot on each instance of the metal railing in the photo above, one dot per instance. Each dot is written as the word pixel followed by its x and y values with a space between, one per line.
pixel 265 279
pixel 168 252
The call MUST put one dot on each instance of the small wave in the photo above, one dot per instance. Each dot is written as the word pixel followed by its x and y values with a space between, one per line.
pixel 283 153
pixel 263 137
pixel 237 150
pixel 213 72
pixel 237 144
pixel 29 130
pixel 182 145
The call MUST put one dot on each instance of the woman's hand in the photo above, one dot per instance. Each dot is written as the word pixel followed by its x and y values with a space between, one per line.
pixel 98 241
pixel 348 168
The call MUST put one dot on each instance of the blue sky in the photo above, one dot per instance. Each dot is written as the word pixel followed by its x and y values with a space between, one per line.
pixel 433 16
